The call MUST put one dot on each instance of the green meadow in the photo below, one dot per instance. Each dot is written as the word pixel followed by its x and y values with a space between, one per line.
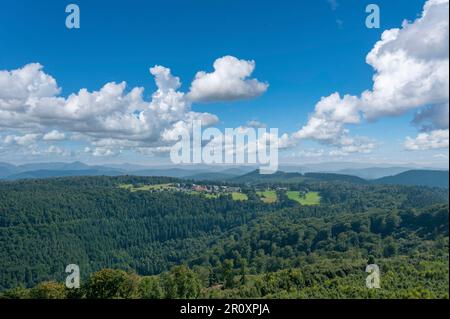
pixel 309 199
pixel 268 197
pixel 133 188
pixel 237 196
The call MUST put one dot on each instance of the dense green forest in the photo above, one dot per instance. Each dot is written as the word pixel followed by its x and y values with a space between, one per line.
pixel 172 244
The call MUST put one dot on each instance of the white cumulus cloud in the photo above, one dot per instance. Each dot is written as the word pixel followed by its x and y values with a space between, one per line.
pixel 437 139
pixel 30 102
pixel 54 136
pixel 24 140
pixel 411 67
pixel 229 81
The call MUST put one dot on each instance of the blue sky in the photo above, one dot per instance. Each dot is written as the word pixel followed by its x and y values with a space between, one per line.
pixel 304 50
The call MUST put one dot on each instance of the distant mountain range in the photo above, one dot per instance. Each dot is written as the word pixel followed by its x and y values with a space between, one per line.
pixel 417 177
pixel 62 173
pixel 59 169
pixel 431 178
pixel 284 177
pixel 373 172
pixel 278 177
pixel 55 169
pixel 293 174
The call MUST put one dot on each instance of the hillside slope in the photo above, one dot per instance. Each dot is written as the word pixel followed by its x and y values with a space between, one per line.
pixel 417 177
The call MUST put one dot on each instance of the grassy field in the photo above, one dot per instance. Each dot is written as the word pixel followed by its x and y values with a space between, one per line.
pixel 133 188
pixel 239 196
pixel 310 198
pixel 210 196
pixel 268 197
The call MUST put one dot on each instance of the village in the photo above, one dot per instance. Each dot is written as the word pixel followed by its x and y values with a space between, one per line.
pixel 267 194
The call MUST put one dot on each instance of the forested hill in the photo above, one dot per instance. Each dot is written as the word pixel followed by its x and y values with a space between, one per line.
pixel 148 225
pixel 283 177
pixel 417 177
pixel 428 177
pixel 431 178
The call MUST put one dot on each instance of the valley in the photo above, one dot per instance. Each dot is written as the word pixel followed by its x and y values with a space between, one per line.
pixel 278 237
